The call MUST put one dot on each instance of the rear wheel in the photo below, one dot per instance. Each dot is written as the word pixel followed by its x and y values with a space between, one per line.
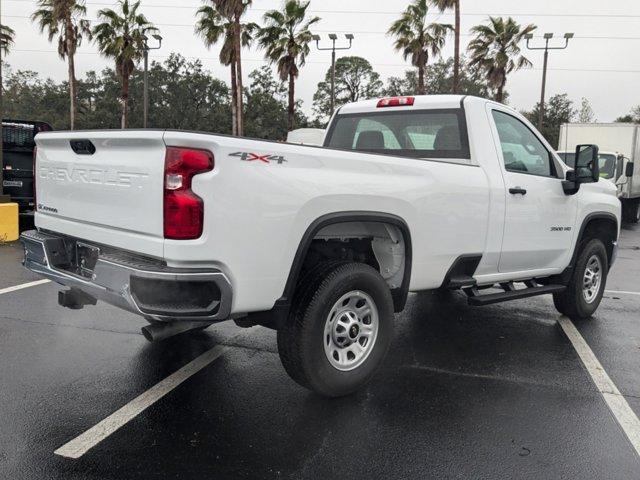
pixel 339 329
pixel 586 287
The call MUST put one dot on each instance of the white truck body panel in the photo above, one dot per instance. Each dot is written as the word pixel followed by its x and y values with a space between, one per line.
pixel 257 212
pixel 621 138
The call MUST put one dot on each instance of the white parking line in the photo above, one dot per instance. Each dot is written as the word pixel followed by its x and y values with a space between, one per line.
pixel 89 439
pixel 24 285
pixel 618 405
pixel 622 292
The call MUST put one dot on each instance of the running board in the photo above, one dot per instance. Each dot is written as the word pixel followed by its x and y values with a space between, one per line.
pixel 511 293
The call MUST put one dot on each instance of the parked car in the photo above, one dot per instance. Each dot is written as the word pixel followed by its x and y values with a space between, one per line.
pixel 323 244
pixel 17 170
pixel 620 152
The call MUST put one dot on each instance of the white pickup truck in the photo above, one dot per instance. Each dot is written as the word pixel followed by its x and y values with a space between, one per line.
pixel 323 243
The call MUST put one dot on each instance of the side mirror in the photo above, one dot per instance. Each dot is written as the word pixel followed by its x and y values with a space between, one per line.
pixel 628 171
pixel 571 184
pixel 587 164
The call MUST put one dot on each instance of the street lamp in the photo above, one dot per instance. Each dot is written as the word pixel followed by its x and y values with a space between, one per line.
pixel 333 37
pixel 547 37
pixel 146 49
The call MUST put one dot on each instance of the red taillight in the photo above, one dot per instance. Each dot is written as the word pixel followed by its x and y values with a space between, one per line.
pixel 35 175
pixel 396 102
pixel 183 209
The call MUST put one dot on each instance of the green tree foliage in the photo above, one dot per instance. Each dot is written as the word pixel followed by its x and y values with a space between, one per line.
pixel 558 109
pixel 439 79
pixel 6 38
pixel 65 19
pixel 216 24
pixel 586 114
pixel 121 36
pixel 355 80
pixel 495 50
pixel 417 38
pixel 632 117
pixel 285 39
pixel 454 5
pixel 266 114
pixel 182 96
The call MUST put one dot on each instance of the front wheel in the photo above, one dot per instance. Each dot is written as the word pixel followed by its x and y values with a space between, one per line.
pixel 586 287
pixel 339 329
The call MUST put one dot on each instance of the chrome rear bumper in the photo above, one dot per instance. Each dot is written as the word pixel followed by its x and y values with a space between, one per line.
pixel 140 286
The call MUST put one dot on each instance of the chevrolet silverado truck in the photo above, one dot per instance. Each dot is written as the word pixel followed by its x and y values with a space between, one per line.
pixel 323 244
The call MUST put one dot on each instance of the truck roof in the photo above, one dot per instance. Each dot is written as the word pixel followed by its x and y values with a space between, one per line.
pixel 420 102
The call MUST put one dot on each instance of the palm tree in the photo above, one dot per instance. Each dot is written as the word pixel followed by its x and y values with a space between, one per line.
pixel 65 19
pixel 417 39
pixel 6 38
pixel 235 9
pixel 496 51
pixel 121 36
pixel 443 5
pixel 214 24
pixel 285 38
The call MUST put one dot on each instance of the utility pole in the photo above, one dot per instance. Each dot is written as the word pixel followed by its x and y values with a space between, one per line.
pixel 333 37
pixel 146 48
pixel 546 48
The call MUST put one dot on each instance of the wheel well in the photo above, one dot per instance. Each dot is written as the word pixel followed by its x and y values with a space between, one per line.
pixel 603 228
pixel 379 240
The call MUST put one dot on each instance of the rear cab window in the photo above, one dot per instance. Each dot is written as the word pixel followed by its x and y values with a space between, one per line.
pixel 420 134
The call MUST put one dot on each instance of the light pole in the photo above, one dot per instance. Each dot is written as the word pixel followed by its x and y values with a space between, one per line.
pixel 546 48
pixel 333 37
pixel 146 49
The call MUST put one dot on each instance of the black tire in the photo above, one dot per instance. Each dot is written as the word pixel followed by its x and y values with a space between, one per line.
pixel 631 210
pixel 300 342
pixel 572 301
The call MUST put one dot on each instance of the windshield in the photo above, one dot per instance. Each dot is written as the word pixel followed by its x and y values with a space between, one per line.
pixel 416 134
pixel 607 163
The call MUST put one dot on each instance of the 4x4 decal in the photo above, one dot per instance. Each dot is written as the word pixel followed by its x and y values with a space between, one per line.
pixel 254 157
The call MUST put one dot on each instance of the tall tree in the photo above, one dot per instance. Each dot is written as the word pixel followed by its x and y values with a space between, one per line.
pixel 121 36
pixel 285 38
pixel 439 77
pixel 558 109
pixel 355 80
pixel 496 50
pixel 586 114
pixel 218 24
pixel 6 38
pixel 443 5
pixel 416 38
pixel 65 19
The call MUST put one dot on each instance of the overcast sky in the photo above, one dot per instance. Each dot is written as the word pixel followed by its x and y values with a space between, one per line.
pixel 602 63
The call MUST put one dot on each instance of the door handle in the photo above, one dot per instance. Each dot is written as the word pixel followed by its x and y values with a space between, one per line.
pixel 517 191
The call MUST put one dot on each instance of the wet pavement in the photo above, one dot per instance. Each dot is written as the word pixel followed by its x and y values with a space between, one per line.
pixel 490 392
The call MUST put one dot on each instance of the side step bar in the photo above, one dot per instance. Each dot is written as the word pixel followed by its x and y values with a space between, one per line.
pixel 510 293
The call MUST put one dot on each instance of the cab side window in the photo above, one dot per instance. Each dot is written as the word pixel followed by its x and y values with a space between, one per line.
pixel 521 149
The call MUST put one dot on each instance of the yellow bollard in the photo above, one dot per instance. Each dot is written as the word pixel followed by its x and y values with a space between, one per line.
pixel 8 222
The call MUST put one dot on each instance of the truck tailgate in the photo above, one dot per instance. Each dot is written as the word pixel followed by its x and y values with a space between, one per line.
pixel 107 185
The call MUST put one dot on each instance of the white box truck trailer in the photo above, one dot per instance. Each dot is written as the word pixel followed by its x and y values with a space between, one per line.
pixel 619 145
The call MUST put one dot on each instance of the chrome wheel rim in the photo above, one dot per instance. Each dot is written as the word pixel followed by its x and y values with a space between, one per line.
pixel 350 330
pixel 592 278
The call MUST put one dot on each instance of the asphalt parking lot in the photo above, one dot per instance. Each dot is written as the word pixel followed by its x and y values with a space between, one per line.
pixel 491 392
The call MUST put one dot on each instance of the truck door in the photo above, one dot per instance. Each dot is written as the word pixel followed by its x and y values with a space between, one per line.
pixel 540 217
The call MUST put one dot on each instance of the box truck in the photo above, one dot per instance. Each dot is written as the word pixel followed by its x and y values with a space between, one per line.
pixel 619 145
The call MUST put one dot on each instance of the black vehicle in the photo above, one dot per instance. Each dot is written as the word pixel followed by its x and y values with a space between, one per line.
pixel 18 146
